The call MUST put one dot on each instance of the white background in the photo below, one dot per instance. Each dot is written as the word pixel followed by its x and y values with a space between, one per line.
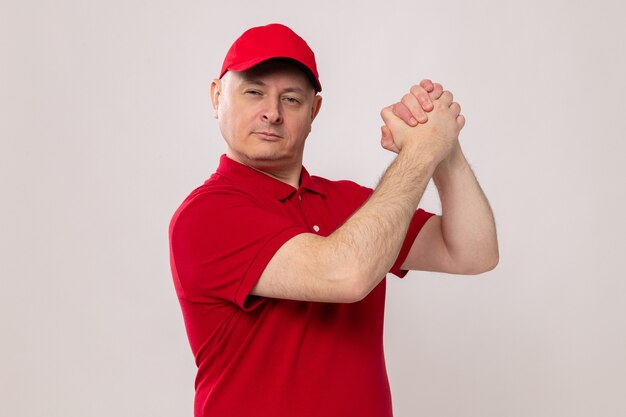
pixel 105 126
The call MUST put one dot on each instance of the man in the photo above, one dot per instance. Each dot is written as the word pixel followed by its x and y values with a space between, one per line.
pixel 280 274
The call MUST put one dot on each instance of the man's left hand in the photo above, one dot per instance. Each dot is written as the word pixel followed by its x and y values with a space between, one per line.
pixel 412 109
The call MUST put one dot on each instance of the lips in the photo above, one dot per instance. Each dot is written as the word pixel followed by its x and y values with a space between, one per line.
pixel 265 135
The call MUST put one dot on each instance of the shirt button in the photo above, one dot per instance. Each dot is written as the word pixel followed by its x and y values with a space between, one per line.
pixel 316 228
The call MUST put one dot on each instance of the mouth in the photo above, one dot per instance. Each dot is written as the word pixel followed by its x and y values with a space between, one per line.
pixel 271 136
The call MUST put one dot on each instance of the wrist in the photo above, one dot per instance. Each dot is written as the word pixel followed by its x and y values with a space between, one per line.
pixel 420 155
pixel 454 163
pixel 417 166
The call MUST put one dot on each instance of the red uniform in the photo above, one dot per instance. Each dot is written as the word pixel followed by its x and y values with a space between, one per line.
pixel 260 356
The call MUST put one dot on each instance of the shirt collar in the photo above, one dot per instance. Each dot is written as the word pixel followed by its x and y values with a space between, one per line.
pixel 256 181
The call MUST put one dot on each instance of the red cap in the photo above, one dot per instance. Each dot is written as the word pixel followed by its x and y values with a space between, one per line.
pixel 261 43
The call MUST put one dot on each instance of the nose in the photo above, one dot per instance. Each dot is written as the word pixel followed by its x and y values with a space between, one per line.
pixel 272 112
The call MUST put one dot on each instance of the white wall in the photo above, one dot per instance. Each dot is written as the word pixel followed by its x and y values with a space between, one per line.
pixel 105 126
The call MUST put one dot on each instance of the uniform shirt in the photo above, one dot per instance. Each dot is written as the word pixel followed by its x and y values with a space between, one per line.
pixel 260 356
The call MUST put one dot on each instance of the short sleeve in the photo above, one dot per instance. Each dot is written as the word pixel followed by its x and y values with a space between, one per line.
pixel 220 244
pixel 417 222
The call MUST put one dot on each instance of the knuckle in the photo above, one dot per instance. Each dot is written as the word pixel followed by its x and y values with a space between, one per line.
pixel 398 109
pixel 417 90
pixel 426 83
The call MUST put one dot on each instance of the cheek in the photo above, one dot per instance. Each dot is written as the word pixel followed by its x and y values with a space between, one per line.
pixel 231 123
pixel 305 127
pixel 228 126
pixel 302 124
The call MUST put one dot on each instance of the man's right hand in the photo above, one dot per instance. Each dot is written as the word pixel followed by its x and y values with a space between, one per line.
pixel 414 106
pixel 435 138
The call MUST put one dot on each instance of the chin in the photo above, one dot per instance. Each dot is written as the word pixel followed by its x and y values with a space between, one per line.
pixel 267 155
pixel 269 152
pixel 272 161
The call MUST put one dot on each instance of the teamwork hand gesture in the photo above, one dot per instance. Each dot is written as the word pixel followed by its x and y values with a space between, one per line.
pixel 429 116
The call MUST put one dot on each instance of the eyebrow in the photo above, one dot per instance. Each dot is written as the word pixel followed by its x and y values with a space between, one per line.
pixel 255 81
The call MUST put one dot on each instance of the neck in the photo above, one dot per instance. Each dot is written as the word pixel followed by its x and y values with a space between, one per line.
pixel 290 177
pixel 288 174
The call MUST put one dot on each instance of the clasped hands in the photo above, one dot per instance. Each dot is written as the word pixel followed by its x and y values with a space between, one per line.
pixel 426 116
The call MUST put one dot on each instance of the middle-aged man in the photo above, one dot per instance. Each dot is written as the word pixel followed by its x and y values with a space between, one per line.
pixel 280 274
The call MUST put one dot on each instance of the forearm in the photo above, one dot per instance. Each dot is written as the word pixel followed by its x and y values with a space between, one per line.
pixel 467 221
pixel 346 265
pixel 369 242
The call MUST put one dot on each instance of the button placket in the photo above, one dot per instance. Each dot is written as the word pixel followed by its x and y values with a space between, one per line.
pixel 310 224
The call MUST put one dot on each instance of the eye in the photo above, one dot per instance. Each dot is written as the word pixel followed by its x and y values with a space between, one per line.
pixel 253 92
pixel 291 100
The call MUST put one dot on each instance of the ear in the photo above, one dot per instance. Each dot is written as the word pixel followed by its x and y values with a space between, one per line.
pixel 317 105
pixel 216 90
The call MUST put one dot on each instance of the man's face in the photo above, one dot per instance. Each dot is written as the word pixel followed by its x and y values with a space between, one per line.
pixel 265 115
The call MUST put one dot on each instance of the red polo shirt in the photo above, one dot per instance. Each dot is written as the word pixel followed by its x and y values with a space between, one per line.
pixel 261 356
